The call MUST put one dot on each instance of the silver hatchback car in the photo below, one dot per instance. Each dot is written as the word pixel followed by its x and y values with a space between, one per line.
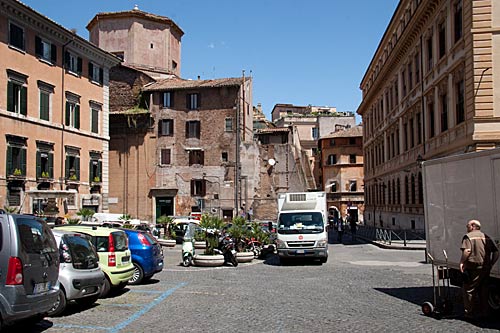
pixel 80 277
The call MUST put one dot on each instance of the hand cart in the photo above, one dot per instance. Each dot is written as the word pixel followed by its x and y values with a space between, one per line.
pixel 442 304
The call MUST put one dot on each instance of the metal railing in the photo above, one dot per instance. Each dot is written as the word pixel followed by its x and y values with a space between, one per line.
pixel 390 236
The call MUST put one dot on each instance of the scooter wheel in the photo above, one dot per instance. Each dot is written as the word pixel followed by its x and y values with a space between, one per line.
pixel 234 261
pixel 186 261
pixel 428 308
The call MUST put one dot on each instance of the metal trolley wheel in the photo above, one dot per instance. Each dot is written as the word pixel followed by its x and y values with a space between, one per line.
pixel 428 308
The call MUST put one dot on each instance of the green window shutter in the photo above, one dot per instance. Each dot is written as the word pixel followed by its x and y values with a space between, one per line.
pixel 10 96
pixel 51 165
pixel 66 167
pixel 38 164
pixel 53 53
pixel 99 170
pixel 91 70
pixel 23 162
pixel 77 116
pixel 44 106
pixel 24 100
pixel 77 167
pixel 79 65
pixel 9 161
pixel 67 60
pixel 101 76
pixel 38 46
pixel 91 171
pixel 67 118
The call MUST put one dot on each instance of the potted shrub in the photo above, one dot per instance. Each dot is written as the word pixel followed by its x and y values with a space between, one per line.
pixel 85 214
pixel 211 225
pixel 168 238
pixel 239 231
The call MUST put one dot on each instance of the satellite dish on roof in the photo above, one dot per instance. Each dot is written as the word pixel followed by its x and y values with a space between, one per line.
pixel 271 161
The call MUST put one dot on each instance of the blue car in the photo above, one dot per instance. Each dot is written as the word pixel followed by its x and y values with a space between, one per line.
pixel 147 255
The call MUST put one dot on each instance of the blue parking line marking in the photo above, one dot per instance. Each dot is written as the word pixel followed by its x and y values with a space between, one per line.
pixel 145 309
pixel 82 327
pixel 146 291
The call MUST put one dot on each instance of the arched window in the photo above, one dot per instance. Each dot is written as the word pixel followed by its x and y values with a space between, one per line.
pixel 398 189
pixel 420 189
pixel 407 192
pixel 413 189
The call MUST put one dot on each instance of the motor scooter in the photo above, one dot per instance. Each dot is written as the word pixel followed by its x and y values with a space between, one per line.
pixel 188 250
pixel 227 249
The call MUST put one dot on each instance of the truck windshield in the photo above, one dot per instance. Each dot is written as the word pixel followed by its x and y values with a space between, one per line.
pixel 300 223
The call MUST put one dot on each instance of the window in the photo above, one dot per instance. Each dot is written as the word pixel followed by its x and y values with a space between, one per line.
pixel 16 36
pixel 442 39
pixel 228 124
pixel 224 156
pixel 460 98
pixel 352 158
pixel 314 151
pixel 333 187
pixel 167 100
pixel 315 133
pixel 96 73
pixel 193 101
pixel 174 65
pixel 429 53
pixel 193 129
pixel 431 120
pixel 403 82
pixel 95 109
pixel 332 142
pixel 410 76
pixel 198 187
pixel 332 159
pixel 417 68
pixel 45 90
pixel 45 50
pixel 72 166
pixel 166 127
pixel 72 116
pixel 444 112
pixel 165 156
pixel 95 169
pixel 17 97
pixel 352 141
pixel 196 156
pixel 411 132
pixel 419 128
pixel 353 187
pixel 16 160
pixel 44 161
pixel 73 63
pixel 458 21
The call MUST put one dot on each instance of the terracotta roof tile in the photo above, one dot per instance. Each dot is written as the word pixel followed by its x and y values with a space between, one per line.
pixel 273 130
pixel 350 132
pixel 178 83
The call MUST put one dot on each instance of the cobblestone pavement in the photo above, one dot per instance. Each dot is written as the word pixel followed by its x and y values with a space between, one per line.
pixel 361 288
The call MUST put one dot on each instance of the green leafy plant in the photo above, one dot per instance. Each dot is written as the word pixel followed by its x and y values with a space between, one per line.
pixel 73 220
pixel 97 179
pixel 212 226
pixel 17 172
pixel 72 177
pixel 45 174
pixel 85 213
pixel 9 209
pixel 125 218
pixel 238 231
pixel 166 222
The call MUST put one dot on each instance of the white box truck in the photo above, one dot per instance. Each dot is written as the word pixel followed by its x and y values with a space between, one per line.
pixel 301 230
pixel 456 189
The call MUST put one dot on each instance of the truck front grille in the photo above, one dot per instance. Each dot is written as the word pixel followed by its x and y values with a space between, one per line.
pixel 300 245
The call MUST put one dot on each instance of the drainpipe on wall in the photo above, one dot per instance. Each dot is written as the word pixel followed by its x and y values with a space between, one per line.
pixel 63 109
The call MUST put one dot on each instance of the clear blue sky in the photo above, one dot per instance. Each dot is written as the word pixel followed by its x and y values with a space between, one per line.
pixel 298 52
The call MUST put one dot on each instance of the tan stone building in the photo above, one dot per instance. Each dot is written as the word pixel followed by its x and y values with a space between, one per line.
pixel 54 115
pixel 147 42
pixel 342 172
pixel 431 90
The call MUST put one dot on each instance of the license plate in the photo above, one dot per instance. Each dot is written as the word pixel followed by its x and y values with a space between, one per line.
pixel 300 252
pixel 125 259
pixel 41 287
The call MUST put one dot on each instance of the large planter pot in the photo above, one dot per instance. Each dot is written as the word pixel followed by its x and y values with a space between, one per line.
pixel 244 256
pixel 200 244
pixel 208 260
pixel 166 242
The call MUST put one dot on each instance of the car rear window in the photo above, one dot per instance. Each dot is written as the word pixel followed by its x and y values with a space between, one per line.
pixel 82 251
pixel 120 239
pixel 150 238
pixel 35 236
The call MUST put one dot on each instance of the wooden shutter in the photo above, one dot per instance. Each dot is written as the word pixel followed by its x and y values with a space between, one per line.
pixel 24 101
pixel 77 116
pixel 79 65
pixel 67 117
pixel 197 129
pixel 160 127
pixel 101 76
pixel 67 59
pixel 91 171
pixel 53 53
pixel 99 170
pixel 10 96
pixel 77 167
pixel 187 129
pixel 202 157
pixel 66 167
pixel 9 161
pixel 198 101
pixel 23 161
pixel 203 188
pixel 91 71
pixel 192 186
pixel 38 46
pixel 38 164
pixel 51 165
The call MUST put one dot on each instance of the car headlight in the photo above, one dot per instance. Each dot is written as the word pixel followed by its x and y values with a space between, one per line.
pixel 280 244
pixel 322 242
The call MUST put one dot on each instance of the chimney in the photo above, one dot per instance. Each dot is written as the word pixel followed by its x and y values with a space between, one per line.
pixel 198 77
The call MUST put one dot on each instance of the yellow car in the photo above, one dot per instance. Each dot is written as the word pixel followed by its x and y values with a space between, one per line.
pixel 114 255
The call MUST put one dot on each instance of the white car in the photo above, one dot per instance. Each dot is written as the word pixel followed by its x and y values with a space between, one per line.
pixel 80 277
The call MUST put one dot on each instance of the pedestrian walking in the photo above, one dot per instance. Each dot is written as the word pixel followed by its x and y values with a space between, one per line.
pixel 479 254
pixel 340 230
pixel 352 225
